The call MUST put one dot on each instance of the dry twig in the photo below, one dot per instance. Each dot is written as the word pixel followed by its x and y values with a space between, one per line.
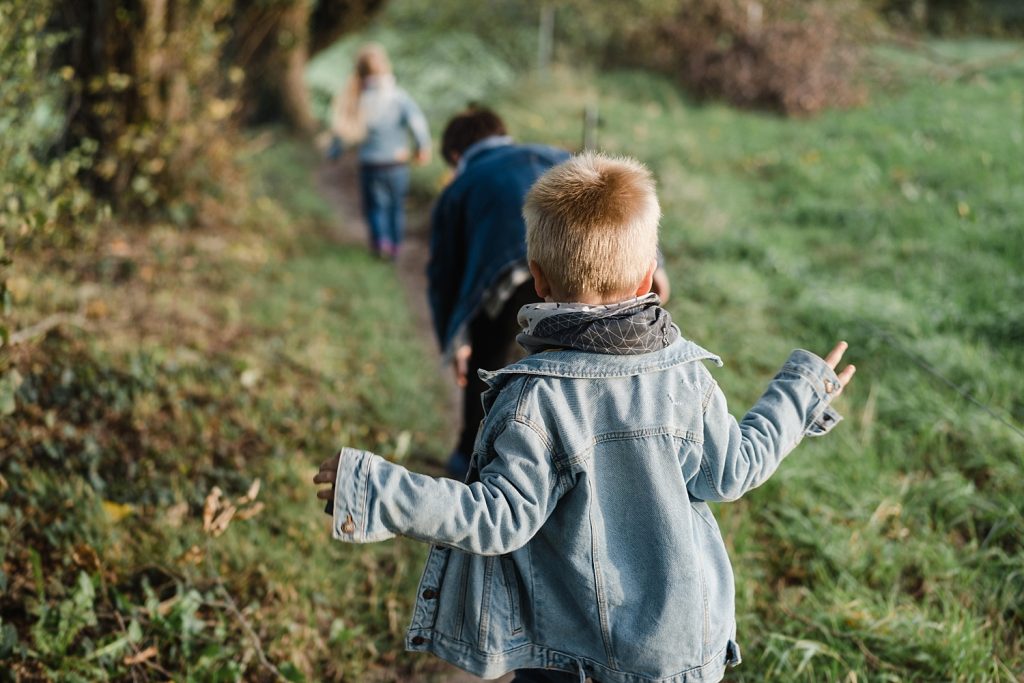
pixel 45 325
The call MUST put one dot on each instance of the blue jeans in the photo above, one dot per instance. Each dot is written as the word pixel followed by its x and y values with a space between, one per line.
pixel 383 192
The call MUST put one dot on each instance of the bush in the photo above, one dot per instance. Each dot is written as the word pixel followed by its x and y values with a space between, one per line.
pixel 956 17
pixel 794 57
pixel 39 190
pixel 152 94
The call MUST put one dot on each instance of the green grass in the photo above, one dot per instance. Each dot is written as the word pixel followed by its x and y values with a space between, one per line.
pixel 250 353
pixel 889 551
pixel 894 548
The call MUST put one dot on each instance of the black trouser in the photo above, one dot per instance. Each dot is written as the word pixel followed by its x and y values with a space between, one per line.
pixel 494 346
pixel 545 676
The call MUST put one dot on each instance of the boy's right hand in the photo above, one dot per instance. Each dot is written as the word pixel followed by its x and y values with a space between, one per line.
pixel 832 360
pixel 326 475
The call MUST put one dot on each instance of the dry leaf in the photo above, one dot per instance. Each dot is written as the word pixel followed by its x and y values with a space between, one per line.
pixel 210 507
pixel 117 511
pixel 250 495
pixel 193 555
pixel 85 557
pixel 220 524
pixel 140 657
pixel 250 512
pixel 175 514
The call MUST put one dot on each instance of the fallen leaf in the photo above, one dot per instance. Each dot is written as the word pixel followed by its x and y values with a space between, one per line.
pixel 251 511
pixel 175 514
pixel 220 524
pixel 193 555
pixel 117 511
pixel 85 557
pixel 250 495
pixel 140 657
pixel 210 506
pixel 97 308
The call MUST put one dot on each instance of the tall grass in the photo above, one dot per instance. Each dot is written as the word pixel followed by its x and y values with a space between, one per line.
pixel 893 549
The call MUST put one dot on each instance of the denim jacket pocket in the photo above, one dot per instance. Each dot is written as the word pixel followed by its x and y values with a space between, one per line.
pixel 501 624
pixel 452 609
pixel 508 573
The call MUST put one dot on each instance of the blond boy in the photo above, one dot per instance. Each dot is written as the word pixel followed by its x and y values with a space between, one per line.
pixel 581 543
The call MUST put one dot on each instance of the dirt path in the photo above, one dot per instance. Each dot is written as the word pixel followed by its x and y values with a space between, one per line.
pixel 338 183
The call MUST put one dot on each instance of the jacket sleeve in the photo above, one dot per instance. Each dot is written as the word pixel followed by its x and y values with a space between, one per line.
pixel 446 264
pixel 376 500
pixel 416 122
pixel 739 456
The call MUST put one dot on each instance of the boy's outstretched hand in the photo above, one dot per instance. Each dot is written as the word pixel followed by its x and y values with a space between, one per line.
pixel 832 360
pixel 326 475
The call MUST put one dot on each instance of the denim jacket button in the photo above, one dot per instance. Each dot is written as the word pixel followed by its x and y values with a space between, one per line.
pixel 418 640
pixel 429 594
pixel 349 526
pixel 829 386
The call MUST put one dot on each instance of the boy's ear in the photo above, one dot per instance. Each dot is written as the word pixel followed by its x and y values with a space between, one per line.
pixel 647 283
pixel 540 282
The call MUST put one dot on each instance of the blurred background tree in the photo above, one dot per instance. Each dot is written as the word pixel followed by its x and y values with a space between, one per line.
pixel 140 97
pixel 135 101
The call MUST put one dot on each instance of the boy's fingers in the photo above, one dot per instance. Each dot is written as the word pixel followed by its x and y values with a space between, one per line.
pixel 847 374
pixel 324 477
pixel 325 494
pixel 836 354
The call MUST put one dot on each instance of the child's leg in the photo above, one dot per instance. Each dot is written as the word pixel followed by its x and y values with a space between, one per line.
pixel 374 191
pixel 399 181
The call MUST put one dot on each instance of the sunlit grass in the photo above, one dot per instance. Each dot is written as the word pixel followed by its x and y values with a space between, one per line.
pixel 892 550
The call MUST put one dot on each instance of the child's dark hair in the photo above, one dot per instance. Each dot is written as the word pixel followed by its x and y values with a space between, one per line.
pixel 472 124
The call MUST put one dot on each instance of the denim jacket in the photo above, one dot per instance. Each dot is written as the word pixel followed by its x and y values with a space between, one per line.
pixel 582 540
pixel 477 231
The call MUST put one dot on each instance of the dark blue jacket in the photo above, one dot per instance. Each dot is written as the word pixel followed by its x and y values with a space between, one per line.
pixel 477 230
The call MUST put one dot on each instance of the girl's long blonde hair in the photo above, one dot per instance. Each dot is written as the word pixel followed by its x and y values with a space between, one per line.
pixel 347 120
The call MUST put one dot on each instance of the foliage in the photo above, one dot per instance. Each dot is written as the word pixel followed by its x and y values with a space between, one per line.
pixel 152 98
pixel 956 17
pixel 271 41
pixel 211 359
pixel 135 102
pixel 39 190
pixel 793 57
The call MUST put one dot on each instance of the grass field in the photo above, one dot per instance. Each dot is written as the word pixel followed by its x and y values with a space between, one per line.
pixel 894 549
pixel 208 358
pixel 891 551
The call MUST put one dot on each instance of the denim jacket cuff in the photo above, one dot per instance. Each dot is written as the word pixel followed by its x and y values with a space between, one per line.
pixel 825 384
pixel 351 491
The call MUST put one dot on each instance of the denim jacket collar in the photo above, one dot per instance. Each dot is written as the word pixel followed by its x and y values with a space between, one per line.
pixel 580 365
pixel 479 146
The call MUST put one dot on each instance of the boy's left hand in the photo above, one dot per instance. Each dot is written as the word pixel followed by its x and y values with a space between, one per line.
pixel 844 375
pixel 327 475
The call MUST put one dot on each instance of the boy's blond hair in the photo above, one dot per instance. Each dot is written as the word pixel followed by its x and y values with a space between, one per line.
pixel 592 224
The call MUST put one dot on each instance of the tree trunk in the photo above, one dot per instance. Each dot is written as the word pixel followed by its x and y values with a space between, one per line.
pixel 156 84
pixel 271 43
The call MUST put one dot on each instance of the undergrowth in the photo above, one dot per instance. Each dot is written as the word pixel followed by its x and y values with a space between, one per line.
pixel 158 515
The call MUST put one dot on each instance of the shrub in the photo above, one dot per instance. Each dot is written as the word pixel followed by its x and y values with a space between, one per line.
pixel 793 56
pixel 39 190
